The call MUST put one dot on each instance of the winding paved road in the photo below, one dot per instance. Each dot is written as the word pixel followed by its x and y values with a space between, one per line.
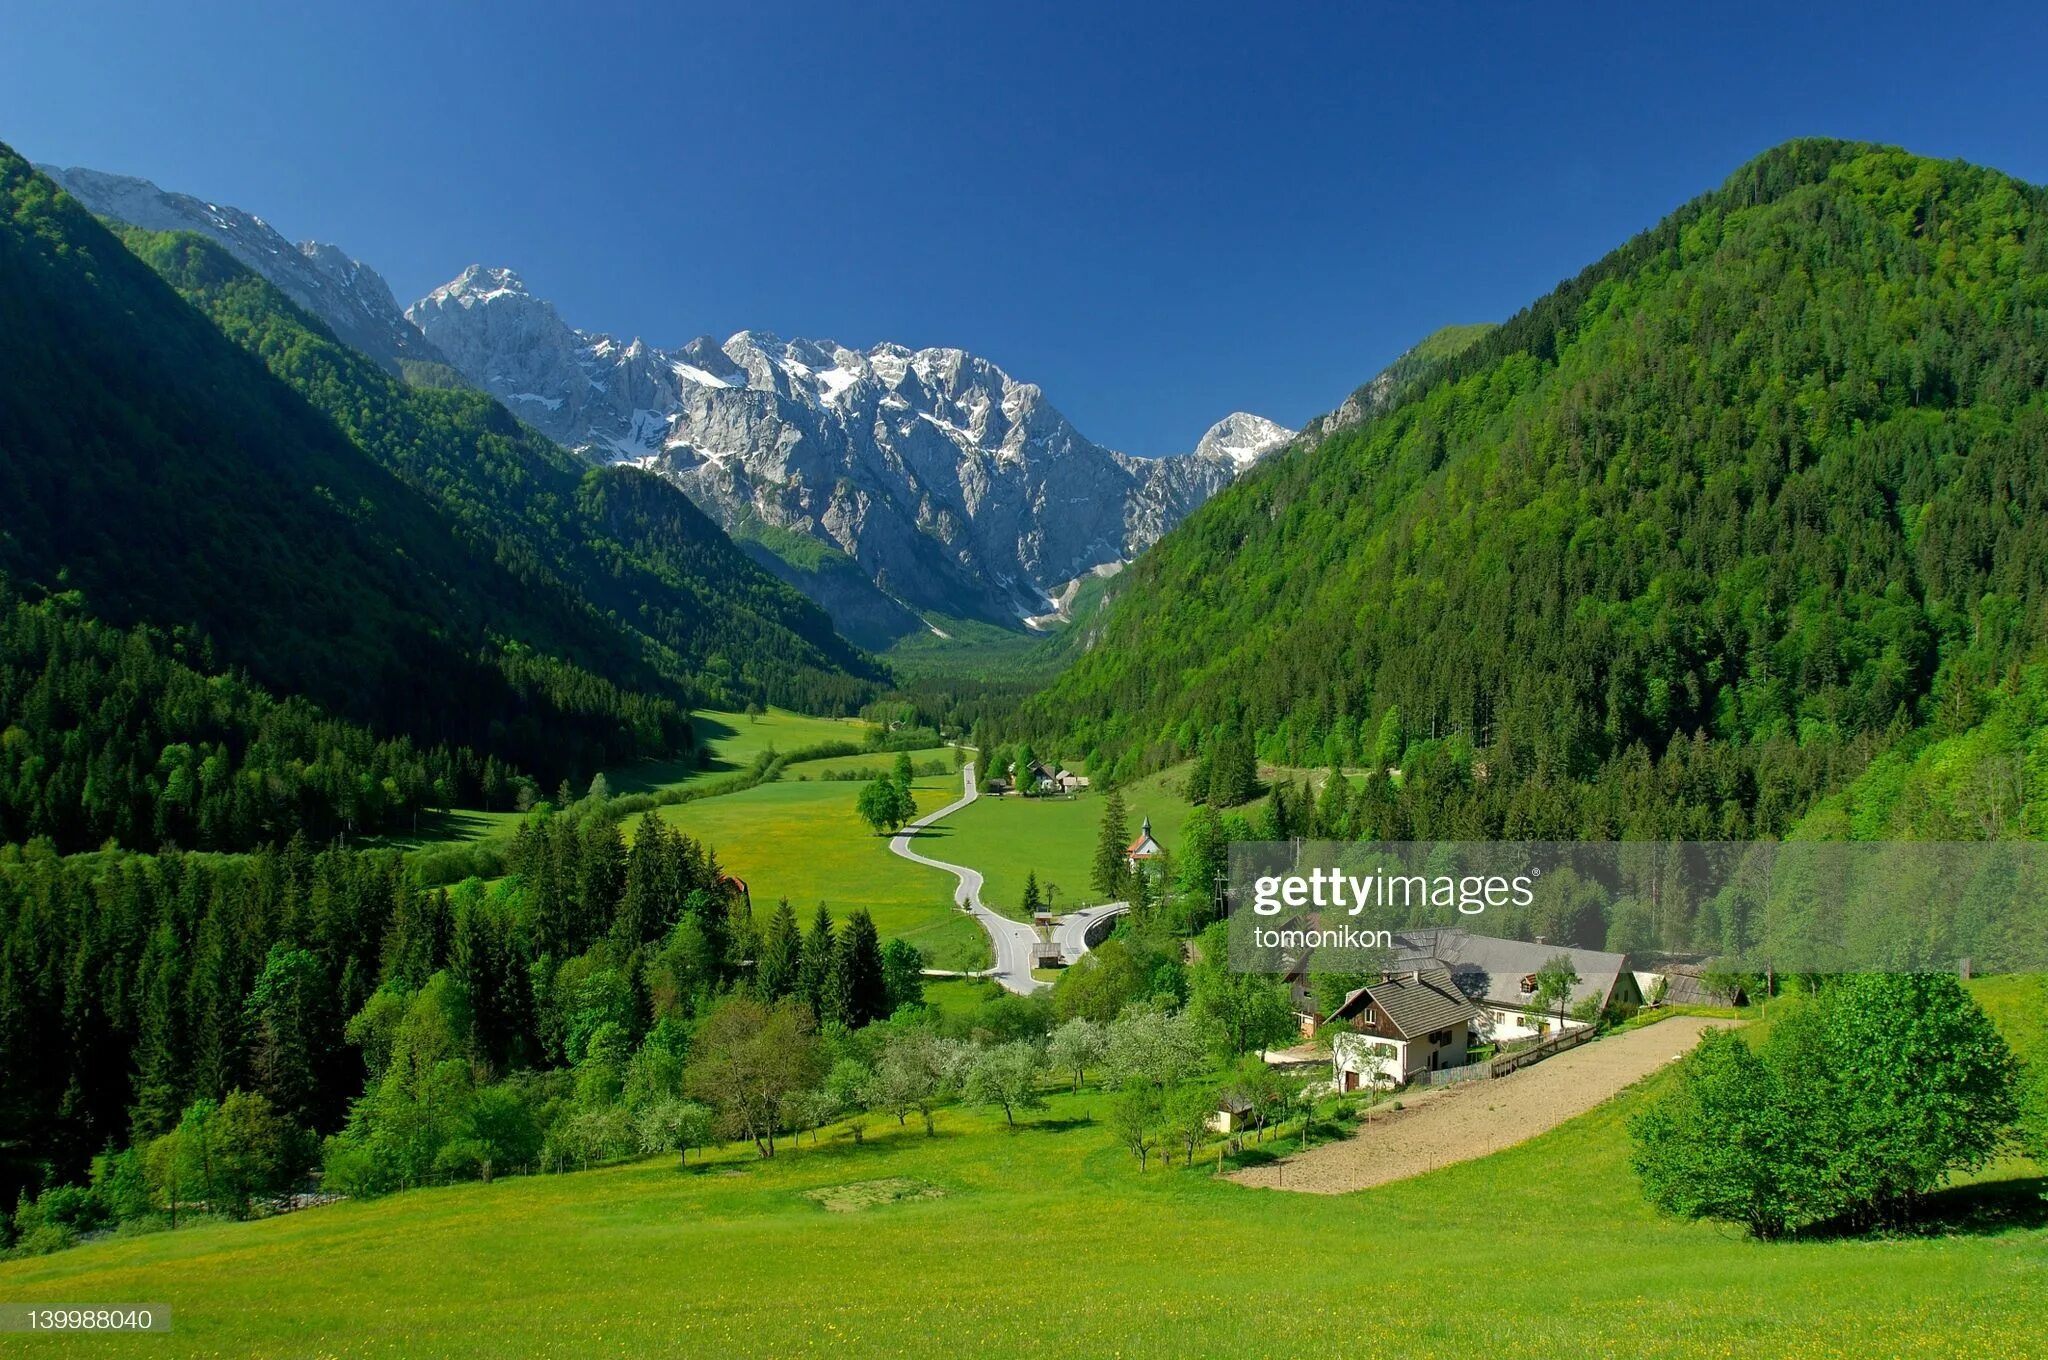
pixel 1071 930
pixel 1012 940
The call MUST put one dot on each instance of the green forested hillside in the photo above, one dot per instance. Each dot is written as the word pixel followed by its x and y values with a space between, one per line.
pixel 1675 551
pixel 134 737
pixel 161 473
pixel 1987 780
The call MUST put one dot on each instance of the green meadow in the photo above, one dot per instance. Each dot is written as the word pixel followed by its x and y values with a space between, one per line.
pixel 734 740
pixel 866 763
pixel 1007 838
pixel 1047 1241
pixel 804 841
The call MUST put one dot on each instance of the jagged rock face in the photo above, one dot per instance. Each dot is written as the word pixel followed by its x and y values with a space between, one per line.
pixel 345 294
pixel 956 488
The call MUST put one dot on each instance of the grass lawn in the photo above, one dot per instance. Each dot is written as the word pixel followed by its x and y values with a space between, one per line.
pixel 869 762
pixel 1007 838
pixel 804 841
pixel 1047 1241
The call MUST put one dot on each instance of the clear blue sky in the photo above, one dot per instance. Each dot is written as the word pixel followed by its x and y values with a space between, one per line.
pixel 1158 213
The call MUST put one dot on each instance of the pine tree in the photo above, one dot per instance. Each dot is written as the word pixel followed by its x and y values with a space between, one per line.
pixel 547 897
pixel 159 1084
pixel 213 1000
pixel 814 974
pixel 1113 842
pixel 1234 774
pixel 1033 903
pixel 1392 740
pixel 409 943
pixel 288 1042
pixel 641 911
pixel 860 987
pixel 603 874
pixel 1333 808
pixel 782 953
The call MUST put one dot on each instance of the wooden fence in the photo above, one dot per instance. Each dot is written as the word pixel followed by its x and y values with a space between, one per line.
pixel 1536 1053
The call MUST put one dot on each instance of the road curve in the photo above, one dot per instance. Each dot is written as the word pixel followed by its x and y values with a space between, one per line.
pixel 1071 930
pixel 1011 940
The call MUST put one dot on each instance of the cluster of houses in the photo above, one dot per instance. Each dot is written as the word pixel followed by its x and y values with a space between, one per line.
pixel 1449 991
pixel 1037 777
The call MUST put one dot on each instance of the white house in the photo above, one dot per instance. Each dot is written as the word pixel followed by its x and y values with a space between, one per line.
pixel 1391 1032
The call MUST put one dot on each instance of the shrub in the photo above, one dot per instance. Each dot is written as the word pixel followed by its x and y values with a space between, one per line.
pixel 1853 1108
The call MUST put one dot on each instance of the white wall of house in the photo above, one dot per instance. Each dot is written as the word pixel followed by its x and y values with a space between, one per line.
pixel 1392 1062
pixel 1507 1025
pixel 1375 1062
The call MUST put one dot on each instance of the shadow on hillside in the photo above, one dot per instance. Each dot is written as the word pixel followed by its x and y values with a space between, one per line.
pixel 455 824
pixel 1982 1209
pixel 650 776
pixel 1052 1125
pixel 1251 1155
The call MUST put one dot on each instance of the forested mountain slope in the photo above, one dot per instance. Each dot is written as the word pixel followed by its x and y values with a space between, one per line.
pixel 132 738
pixel 156 469
pixel 1673 551
pixel 414 561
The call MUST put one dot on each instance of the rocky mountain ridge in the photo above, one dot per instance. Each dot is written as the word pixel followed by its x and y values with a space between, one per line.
pixel 957 490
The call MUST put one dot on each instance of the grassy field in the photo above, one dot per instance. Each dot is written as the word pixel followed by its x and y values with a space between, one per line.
pixel 1047 1241
pixel 958 996
pixel 804 841
pixel 872 762
pixel 1007 838
pixel 734 740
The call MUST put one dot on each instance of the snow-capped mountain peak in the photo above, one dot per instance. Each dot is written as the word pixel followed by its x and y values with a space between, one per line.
pixel 477 285
pixel 955 487
pixel 1243 438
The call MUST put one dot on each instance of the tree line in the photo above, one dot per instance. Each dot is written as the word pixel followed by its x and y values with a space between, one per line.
pixel 134 738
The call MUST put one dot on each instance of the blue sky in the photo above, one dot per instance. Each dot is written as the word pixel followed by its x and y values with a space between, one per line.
pixel 1158 213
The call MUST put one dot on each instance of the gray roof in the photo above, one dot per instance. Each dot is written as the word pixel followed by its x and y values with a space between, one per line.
pixel 1415 1002
pixel 1490 969
pixel 1684 985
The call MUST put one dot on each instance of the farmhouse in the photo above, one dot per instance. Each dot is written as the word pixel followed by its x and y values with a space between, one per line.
pixel 1500 977
pixel 1144 851
pixel 1046 778
pixel 1393 1031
